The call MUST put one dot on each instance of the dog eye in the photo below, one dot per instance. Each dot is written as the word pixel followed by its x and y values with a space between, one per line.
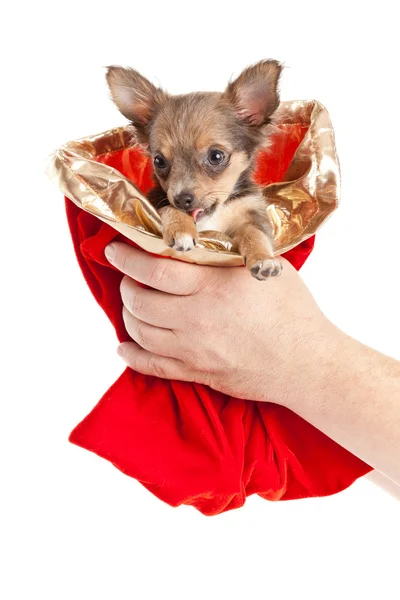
pixel 215 157
pixel 160 162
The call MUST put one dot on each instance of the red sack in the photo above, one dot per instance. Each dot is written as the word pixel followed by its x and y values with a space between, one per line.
pixel 184 442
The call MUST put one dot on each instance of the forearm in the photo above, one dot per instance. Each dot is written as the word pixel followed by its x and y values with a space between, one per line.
pixel 354 397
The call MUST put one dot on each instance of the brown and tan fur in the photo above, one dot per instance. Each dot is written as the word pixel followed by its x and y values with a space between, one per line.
pixel 203 147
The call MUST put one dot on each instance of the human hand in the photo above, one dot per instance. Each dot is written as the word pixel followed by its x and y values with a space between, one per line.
pixel 218 326
pixel 260 341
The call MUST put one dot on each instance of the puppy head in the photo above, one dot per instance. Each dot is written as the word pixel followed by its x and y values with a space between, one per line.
pixel 202 144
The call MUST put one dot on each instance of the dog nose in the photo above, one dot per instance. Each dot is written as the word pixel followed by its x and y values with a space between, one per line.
pixel 184 200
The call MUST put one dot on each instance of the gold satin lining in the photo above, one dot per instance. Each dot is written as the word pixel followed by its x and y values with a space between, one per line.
pixel 297 206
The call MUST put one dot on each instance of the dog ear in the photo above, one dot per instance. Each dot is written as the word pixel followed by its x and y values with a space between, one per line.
pixel 134 95
pixel 255 92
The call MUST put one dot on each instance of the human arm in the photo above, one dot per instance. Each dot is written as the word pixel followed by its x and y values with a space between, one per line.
pixel 261 341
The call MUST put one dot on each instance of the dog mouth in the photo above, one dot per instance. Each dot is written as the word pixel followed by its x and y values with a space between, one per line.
pixel 197 213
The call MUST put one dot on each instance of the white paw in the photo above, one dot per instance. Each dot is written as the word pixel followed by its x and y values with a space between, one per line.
pixel 183 242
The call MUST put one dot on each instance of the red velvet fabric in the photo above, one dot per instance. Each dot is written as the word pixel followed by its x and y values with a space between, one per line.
pixel 184 442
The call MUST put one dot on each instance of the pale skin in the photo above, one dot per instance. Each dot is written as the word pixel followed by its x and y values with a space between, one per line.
pixel 265 341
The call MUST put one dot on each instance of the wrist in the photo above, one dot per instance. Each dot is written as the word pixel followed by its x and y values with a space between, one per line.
pixel 318 359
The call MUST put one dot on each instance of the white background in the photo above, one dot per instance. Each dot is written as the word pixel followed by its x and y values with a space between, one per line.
pixel 72 525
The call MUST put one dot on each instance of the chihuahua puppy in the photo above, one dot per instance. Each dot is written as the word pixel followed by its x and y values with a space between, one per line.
pixel 203 148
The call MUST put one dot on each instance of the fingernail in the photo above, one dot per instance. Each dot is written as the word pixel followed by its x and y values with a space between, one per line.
pixel 110 252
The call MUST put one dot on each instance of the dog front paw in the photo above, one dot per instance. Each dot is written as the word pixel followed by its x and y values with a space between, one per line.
pixel 182 242
pixel 179 230
pixel 263 269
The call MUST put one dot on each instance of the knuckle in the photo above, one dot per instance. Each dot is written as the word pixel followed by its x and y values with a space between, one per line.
pixel 132 298
pixel 136 303
pixel 158 272
pixel 133 363
pixel 125 262
pixel 198 279
pixel 141 337
pixel 155 368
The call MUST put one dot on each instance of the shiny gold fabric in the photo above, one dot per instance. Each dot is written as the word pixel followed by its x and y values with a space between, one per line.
pixel 297 206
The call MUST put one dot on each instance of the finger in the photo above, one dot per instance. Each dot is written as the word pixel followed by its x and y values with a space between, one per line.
pixel 148 363
pixel 171 276
pixel 154 339
pixel 151 306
